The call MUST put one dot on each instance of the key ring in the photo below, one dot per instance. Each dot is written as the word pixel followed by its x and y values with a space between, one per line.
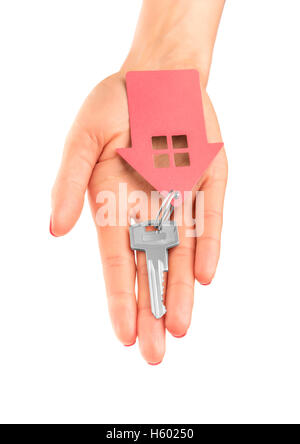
pixel 166 209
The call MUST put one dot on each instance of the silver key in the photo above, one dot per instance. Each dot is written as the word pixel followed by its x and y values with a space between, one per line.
pixel 156 244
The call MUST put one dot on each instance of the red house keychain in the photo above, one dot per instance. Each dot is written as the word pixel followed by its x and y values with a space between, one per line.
pixel 166 107
pixel 170 150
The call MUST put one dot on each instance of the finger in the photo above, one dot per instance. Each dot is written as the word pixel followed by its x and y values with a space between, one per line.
pixel 81 152
pixel 119 271
pixel 208 244
pixel 180 287
pixel 151 331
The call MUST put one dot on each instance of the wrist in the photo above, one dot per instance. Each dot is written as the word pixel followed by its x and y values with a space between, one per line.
pixel 175 34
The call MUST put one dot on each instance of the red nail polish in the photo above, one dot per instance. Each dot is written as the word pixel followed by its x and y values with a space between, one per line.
pixel 50 228
pixel 154 363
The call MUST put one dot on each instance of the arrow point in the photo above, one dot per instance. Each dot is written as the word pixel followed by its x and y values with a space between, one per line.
pixel 215 147
pixel 124 152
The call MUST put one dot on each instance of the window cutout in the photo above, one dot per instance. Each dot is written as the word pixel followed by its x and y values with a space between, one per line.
pixel 161 161
pixel 179 141
pixel 159 143
pixel 182 159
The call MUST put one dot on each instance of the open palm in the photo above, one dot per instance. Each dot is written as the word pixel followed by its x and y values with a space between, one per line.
pixel 90 162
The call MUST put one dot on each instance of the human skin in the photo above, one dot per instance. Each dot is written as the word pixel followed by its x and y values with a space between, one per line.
pixel 170 35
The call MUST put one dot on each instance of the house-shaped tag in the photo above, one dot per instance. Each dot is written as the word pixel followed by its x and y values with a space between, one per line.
pixel 169 143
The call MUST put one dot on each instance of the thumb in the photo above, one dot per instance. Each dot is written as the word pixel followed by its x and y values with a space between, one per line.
pixel 80 155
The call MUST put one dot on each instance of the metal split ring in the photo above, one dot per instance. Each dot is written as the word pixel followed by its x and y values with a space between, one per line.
pixel 166 209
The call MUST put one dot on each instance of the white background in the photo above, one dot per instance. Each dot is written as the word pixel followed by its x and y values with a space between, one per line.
pixel 60 361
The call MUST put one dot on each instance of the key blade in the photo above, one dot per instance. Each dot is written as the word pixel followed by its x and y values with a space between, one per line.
pixel 156 270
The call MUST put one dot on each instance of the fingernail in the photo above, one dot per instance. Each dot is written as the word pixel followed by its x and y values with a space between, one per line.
pixel 129 345
pixel 154 363
pixel 50 228
pixel 206 283
pixel 178 337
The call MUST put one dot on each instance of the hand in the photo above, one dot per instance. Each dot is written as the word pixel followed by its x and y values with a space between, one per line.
pixel 90 162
